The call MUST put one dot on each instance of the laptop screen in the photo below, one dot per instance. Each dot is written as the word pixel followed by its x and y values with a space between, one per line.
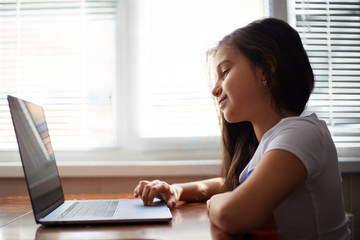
pixel 37 155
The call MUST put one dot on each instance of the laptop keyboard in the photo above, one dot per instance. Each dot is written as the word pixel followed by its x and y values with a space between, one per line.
pixel 89 209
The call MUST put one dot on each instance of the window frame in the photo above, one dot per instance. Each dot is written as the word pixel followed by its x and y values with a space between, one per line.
pixel 126 152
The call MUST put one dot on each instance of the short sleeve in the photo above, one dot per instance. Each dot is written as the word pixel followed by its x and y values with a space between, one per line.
pixel 305 140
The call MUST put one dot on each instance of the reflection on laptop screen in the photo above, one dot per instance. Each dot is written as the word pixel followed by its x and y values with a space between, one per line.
pixel 36 154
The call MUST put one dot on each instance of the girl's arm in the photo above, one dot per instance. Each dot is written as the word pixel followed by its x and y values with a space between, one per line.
pixel 251 204
pixel 200 190
pixel 191 192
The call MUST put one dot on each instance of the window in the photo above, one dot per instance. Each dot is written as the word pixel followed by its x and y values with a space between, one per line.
pixel 61 55
pixel 126 79
pixel 175 96
pixel 120 79
pixel 331 36
pixel 177 111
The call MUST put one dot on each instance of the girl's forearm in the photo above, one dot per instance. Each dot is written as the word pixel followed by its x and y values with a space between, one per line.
pixel 199 190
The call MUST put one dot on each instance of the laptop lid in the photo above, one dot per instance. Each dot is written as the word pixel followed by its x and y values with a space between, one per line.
pixel 43 180
pixel 37 156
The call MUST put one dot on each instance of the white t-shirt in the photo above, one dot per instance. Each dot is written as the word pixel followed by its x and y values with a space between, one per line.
pixel 316 209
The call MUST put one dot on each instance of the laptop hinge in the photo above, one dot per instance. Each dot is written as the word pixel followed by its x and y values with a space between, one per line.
pixel 48 209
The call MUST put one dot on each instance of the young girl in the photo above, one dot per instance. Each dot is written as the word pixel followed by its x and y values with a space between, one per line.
pixel 280 176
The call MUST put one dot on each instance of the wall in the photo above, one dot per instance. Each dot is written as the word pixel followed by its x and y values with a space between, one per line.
pixel 103 185
pixel 351 187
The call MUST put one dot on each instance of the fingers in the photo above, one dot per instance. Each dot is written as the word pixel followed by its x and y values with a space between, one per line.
pixel 171 202
pixel 139 188
pixel 148 194
pixel 147 191
pixel 154 189
pixel 172 198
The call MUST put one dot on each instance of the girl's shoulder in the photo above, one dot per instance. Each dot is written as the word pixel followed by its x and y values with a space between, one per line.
pixel 311 119
pixel 307 126
pixel 308 138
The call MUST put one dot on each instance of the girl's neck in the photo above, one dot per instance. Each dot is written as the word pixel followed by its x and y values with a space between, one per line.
pixel 268 120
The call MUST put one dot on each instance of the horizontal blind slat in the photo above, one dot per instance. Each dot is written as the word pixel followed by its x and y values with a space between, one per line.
pixel 331 36
pixel 63 62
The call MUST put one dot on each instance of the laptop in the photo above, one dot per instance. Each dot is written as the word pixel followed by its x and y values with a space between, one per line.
pixel 44 185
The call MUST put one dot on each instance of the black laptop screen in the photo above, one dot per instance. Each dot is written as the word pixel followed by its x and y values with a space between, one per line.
pixel 37 155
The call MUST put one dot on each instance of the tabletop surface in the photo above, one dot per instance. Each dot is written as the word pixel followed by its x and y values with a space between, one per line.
pixel 190 221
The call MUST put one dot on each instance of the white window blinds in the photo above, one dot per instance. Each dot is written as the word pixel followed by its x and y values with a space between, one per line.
pixel 330 31
pixel 60 54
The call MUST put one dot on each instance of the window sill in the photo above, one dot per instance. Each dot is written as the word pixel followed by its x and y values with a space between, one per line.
pixel 124 168
pixel 349 165
pixel 146 168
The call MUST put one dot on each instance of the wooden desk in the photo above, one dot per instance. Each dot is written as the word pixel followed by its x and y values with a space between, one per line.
pixel 190 221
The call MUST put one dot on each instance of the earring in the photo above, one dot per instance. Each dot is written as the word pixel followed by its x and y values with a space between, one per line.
pixel 265 84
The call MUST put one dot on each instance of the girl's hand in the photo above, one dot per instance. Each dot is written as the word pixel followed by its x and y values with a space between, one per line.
pixel 215 200
pixel 147 191
pixel 217 234
pixel 212 204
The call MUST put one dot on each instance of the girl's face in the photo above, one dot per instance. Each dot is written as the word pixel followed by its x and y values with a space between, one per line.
pixel 239 87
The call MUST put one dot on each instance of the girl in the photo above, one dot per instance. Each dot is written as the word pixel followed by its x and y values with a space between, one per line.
pixel 280 176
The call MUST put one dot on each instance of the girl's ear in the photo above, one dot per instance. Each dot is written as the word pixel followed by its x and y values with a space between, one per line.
pixel 271 65
pixel 268 71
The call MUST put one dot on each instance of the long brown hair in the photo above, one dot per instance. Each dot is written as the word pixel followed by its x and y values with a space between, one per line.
pixel 276 47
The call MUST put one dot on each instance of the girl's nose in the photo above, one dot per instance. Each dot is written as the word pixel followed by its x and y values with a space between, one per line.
pixel 216 91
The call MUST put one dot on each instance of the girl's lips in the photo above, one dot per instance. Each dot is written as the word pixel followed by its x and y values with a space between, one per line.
pixel 222 101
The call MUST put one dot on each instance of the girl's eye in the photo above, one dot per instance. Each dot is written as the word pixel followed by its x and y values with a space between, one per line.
pixel 224 73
